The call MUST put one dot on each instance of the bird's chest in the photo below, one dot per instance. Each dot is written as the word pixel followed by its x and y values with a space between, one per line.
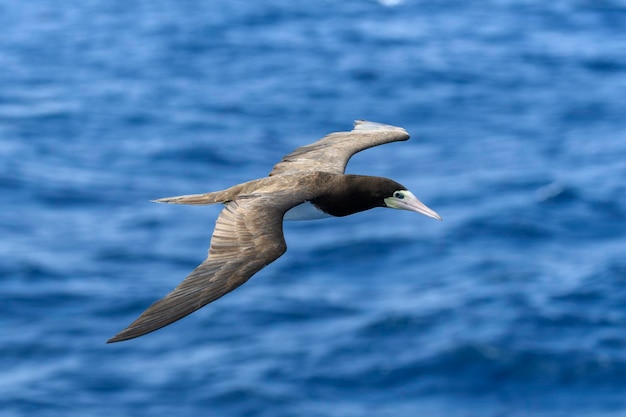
pixel 305 211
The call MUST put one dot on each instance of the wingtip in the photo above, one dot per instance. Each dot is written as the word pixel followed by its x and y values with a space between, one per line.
pixel 169 200
pixel 127 334
pixel 130 332
pixel 366 125
pixel 118 338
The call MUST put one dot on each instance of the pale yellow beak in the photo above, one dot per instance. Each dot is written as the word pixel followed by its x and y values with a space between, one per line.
pixel 411 203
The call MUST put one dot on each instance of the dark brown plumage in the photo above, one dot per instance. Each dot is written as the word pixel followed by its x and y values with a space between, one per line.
pixel 248 233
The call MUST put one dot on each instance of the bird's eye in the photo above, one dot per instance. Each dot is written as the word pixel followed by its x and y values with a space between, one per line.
pixel 398 194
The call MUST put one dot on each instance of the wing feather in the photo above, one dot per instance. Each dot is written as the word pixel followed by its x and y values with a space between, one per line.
pixel 248 236
pixel 333 152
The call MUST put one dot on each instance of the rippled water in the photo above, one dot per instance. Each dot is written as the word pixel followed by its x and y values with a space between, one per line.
pixel 515 305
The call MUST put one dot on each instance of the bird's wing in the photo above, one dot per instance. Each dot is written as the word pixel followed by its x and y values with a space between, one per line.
pixel 332 152
pixel 248 236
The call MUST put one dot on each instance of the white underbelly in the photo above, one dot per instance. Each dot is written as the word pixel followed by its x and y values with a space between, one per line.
pixel 305 211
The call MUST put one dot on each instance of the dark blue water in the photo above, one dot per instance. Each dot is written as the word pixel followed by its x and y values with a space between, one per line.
pixel 515 305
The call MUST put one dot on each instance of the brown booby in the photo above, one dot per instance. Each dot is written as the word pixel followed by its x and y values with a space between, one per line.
pixel 309 183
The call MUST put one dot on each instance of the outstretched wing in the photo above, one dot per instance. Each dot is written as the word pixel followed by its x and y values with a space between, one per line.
pixel 248 236
pixel 333 152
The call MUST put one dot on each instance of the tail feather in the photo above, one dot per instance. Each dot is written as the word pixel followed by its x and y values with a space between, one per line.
pixel 214 197
pixel 193 199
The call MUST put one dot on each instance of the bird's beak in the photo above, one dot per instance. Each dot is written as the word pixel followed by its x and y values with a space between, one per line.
pixel 411 203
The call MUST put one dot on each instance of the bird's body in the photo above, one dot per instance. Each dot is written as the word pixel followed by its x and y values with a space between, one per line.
pixel 308 183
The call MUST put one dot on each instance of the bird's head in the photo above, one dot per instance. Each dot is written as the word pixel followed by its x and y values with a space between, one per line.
pixel 405 200
pixel 355 193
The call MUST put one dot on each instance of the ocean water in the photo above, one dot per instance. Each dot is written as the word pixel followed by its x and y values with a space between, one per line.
pixel 514 305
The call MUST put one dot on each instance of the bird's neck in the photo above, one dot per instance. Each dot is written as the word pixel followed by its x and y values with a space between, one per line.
pixel 349 194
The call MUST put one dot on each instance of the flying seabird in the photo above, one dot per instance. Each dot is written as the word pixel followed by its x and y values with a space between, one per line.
pixel 309 183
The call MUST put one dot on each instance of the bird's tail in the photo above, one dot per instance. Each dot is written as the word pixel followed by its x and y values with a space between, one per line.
pixel 194 199
pixel 214 197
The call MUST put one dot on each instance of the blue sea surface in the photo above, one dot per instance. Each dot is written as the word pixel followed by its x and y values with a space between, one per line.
pixel 514 305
